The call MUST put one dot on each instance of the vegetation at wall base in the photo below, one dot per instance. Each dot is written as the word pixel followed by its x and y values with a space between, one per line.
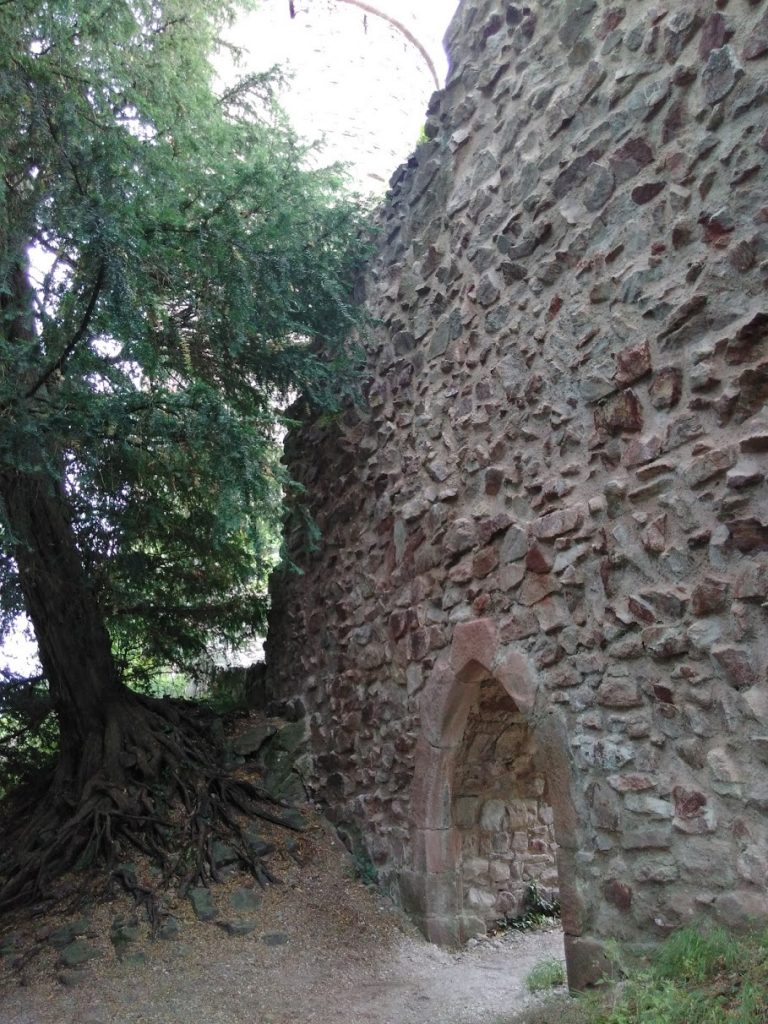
pixel 539 909
pixel 170 275
pixel 698 976
pixel 545 975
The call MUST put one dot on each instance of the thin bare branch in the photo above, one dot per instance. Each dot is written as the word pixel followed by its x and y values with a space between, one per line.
pixel 59 363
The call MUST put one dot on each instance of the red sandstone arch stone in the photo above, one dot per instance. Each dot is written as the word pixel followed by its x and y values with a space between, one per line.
pixel 431 889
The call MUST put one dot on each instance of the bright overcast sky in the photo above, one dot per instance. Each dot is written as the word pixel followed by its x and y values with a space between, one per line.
pixel 357 82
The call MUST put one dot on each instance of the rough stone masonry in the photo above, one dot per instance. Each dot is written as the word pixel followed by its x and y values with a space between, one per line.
pixel 540 596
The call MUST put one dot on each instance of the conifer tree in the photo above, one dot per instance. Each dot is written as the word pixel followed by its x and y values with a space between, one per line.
pixel 169 270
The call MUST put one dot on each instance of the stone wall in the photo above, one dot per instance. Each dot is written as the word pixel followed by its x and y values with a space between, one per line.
pixel 557 477
pixel 501 811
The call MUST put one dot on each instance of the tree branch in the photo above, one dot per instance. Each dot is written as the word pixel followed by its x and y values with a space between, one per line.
pixel 61 361
pixel 403 29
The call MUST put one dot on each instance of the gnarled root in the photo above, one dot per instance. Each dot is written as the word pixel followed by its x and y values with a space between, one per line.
pixel 159 788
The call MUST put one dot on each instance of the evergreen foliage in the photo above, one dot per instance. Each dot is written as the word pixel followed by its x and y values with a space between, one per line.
pixel 170 273
pixel 182 258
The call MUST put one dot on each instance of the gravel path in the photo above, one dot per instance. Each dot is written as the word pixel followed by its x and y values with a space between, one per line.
pixel 327 950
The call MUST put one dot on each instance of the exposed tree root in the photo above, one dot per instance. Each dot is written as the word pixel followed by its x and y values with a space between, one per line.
pixel 159 789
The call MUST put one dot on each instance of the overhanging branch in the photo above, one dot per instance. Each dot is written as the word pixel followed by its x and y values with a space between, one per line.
pixel 402 29
pixel 72 344
pixel 396 23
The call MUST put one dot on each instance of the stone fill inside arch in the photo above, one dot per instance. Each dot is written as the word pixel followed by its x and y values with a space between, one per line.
pixel 562 449
pixel 501 811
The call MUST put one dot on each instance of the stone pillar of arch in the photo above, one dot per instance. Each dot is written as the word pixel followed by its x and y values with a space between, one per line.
pixel 431 889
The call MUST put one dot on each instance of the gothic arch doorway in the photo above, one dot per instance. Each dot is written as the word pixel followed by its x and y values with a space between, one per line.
pixel 501 810
pixel 483 677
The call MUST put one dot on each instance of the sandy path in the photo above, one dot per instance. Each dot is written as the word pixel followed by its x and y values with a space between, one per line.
pixel 346 958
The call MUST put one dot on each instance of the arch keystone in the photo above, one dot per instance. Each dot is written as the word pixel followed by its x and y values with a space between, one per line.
pixel 476 641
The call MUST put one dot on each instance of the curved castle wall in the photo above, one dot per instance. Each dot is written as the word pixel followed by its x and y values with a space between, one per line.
pixel 557 478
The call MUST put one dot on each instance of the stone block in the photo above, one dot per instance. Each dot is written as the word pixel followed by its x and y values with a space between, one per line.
pixel 484 562
pixel 514 546
pixel 659 869
pixel 431 792
pixel 552 614
pixel 650 838
pixel 620 414
pixel 460 537
pixel 721 73
pixel 666 387
pixel 474 642
pixel 479 900
pixel 499 871
pixel 618 893
pixel 664 642
pixel 619 693
pixel 723 766
pixel 649 806
pixel 493 815
pixel 742 911
pixel 537 586
pixel 709 596
pixel 556 523
pixel 737 665
pixel 446 931
pixel 430 895
pixel 587 962
pixel 704 468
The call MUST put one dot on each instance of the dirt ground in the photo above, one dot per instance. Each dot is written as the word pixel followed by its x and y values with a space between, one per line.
pixel 325 950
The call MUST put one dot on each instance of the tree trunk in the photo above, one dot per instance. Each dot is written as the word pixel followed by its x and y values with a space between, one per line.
pixel 73 642
pixel 74 645
pixel 124 759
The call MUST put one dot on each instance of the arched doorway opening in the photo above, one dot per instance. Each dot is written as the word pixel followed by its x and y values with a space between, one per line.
pixel 434 889
pixel 501 810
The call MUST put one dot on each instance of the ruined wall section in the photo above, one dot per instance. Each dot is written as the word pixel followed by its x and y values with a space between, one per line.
pixel 565 433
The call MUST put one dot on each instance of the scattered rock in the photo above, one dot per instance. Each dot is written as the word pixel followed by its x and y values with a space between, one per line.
pixel 125 930
pixel 136 958
pixel 170 928
pixel 249 743
pixel 66 933
pixel 244 899
pixel 203 904
pixel 71 978
pixel 78 952
pixel 257 845
pixel 239 927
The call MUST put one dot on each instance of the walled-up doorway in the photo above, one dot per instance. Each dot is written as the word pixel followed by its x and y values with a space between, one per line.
pixel 490 747
pixel 501 811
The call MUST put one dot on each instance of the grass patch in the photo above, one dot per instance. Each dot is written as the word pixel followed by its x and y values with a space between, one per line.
pixel 547 974
pixel 698 976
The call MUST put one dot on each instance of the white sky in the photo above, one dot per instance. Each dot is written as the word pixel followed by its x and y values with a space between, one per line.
pixel 357 83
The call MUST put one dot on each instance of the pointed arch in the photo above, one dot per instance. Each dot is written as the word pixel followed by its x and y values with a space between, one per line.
pixel 431 888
